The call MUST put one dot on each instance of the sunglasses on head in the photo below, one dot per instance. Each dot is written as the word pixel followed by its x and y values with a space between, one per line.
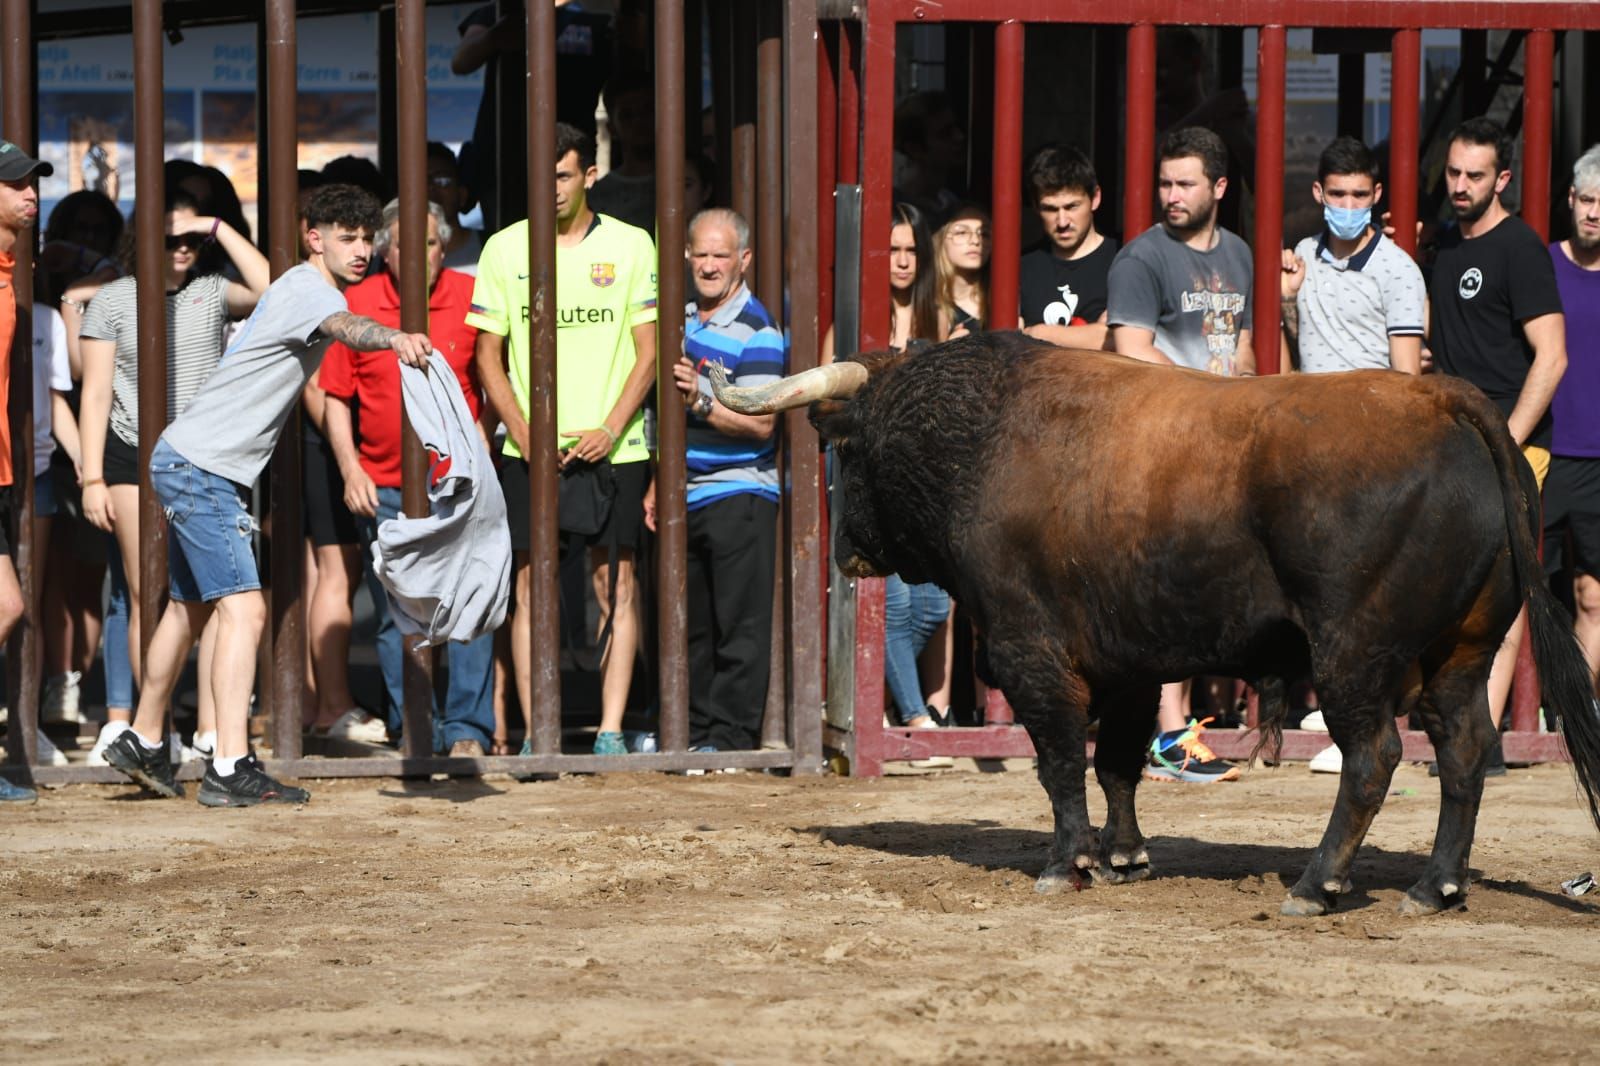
pixel 185 240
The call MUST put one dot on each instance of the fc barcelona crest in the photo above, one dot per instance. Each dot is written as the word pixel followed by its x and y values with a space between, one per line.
pixel 602 274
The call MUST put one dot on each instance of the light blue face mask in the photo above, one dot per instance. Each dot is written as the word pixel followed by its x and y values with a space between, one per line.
pixel 1346 223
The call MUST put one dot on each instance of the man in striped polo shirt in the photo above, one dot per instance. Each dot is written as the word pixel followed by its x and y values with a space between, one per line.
pixel 732 492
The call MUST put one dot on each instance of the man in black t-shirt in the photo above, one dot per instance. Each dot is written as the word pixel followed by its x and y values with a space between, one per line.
pixel 1063 279
pixel 1496 317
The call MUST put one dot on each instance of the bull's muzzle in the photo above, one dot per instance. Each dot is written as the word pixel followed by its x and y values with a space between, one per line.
pixel 834 381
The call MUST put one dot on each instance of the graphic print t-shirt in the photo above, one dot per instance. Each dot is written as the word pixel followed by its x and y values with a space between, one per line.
pixel 1065 292
pixel 1196 303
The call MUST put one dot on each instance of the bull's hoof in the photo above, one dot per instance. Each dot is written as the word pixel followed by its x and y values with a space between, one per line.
pixel 1424 899
pixel 1305 907
pixel 1122 869
pixel 1059 877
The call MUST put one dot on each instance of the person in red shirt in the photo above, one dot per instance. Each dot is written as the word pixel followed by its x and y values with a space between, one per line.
pixel 367 448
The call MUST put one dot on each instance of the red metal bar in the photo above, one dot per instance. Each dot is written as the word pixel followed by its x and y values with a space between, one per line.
pixel 1369 14
pixel 877 180
pixel 808 205
pixel 867 722
pixel 1405 122
pixel 1006 218
pixel 850 103
pixel 286 549
pixel 1139 166
pixel 672 529
pixel 770 174
pixel 544 602
pixel 411 85
pixel 1271 55
pixel 1538 87
pixel 23 647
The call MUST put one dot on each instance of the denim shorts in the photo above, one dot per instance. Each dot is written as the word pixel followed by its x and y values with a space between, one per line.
pixel 45 504
pixel 210 532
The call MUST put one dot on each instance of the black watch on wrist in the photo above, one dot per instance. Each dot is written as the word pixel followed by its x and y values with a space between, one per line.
pixel 702 406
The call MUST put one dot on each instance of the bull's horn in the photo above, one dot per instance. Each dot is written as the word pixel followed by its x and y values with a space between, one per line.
pixel 834 381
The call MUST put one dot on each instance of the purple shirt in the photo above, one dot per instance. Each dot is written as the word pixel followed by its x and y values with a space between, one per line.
pixel 1576 407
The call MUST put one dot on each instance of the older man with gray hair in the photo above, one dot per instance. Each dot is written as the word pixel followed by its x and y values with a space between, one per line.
pixel 369 457
pixel 1572 490
pixel 732 491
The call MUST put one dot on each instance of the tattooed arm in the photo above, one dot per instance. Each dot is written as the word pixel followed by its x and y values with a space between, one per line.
pixel 365 335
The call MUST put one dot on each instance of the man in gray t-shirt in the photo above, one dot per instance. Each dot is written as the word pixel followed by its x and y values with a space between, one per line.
pixel 199 471
pixel 1179 293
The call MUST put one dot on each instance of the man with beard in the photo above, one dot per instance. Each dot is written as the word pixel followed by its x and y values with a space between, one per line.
pixel 1179 294
pixel 1496 319
pixel 1572 492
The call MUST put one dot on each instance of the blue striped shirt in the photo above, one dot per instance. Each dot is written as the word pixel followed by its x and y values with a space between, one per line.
pixel 742 337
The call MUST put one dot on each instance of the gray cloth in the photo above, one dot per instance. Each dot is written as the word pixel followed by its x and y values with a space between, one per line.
pixel 233 422
pixel 1197 303
pixel 1349 308
pixel 448 573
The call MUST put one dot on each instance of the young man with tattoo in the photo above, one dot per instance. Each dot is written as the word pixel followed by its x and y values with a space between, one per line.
pixel 201 469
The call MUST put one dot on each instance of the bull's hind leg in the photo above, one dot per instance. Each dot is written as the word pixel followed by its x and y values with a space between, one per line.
pixel 1454 710
pixel 1127 719
pixel 1364 729
pixel 1051 702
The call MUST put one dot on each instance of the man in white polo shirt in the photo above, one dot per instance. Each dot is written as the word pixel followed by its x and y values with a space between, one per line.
pixel 1351 297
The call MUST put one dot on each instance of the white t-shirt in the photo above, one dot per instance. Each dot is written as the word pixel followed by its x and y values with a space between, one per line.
pixel 52 371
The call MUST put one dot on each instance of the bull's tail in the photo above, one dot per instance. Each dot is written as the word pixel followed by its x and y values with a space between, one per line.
pixel 1272 709
pixel 1564 677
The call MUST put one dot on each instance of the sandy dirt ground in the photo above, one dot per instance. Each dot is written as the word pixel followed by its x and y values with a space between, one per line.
pixel 755 919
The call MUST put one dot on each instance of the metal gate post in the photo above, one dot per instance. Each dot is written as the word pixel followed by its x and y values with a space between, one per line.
pixel 1271 55
pixel 1405 121
pixel 1138 171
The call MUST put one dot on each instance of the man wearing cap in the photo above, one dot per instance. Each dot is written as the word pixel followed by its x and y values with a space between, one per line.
pixel 19 209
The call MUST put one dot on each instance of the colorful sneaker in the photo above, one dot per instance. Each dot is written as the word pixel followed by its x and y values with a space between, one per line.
pixel 10 793
pixel 152 769
pixel 609 744
pixel 60 699
pixel 1187 759
pixel 247 786
pixel 108 732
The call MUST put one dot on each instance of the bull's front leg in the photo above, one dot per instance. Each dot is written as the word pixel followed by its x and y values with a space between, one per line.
pixel 1051 702
pixel 1127 719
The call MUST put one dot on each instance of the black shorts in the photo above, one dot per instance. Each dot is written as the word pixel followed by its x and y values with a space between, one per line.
pixel 1572 506
pixel 121 462
pixel 5 520
pixel 624 528
pixel 328 521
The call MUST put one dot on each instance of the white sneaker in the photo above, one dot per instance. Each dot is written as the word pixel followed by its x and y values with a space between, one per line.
pixel 108 732
pixel 1313 723
pixel 59 702
pixel 1329 760
pixel 49 754
pixel 204 744
pixel 178 752
pixel 356 724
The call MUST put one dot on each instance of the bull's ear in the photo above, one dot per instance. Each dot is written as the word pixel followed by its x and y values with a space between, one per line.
pixel 832 420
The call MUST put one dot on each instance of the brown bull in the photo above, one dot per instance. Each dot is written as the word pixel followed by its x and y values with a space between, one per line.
pixel 1113 525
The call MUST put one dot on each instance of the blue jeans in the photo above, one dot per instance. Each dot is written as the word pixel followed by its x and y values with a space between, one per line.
pixel 114 637
pixel 910 615
pixel 210 531
pixel 469 698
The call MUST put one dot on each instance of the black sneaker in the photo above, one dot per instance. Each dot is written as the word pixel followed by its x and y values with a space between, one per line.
pixel 247 786
pixel 152 769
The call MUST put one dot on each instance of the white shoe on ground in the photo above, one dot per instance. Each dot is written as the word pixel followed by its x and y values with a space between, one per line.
pixel 108 732
pixel 59 702
pixel 1328 761
pixel 1313 723
pixel 356 724
pixel 204 744
pixel 49 754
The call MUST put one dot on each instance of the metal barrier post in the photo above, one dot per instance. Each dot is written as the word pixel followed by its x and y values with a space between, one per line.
pixel 1271 55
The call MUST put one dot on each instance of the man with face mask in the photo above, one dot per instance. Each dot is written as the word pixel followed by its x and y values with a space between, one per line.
pixel 369 463
pixel 1495 319
pixel 1352 297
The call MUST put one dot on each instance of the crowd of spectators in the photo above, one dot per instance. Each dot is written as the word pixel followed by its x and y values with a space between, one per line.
pixel 1486 304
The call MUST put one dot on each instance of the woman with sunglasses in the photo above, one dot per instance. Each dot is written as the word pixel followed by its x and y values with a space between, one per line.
pixel 199 306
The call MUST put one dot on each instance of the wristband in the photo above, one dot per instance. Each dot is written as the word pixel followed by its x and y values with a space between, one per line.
pixel 610 435
pixel 215 222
